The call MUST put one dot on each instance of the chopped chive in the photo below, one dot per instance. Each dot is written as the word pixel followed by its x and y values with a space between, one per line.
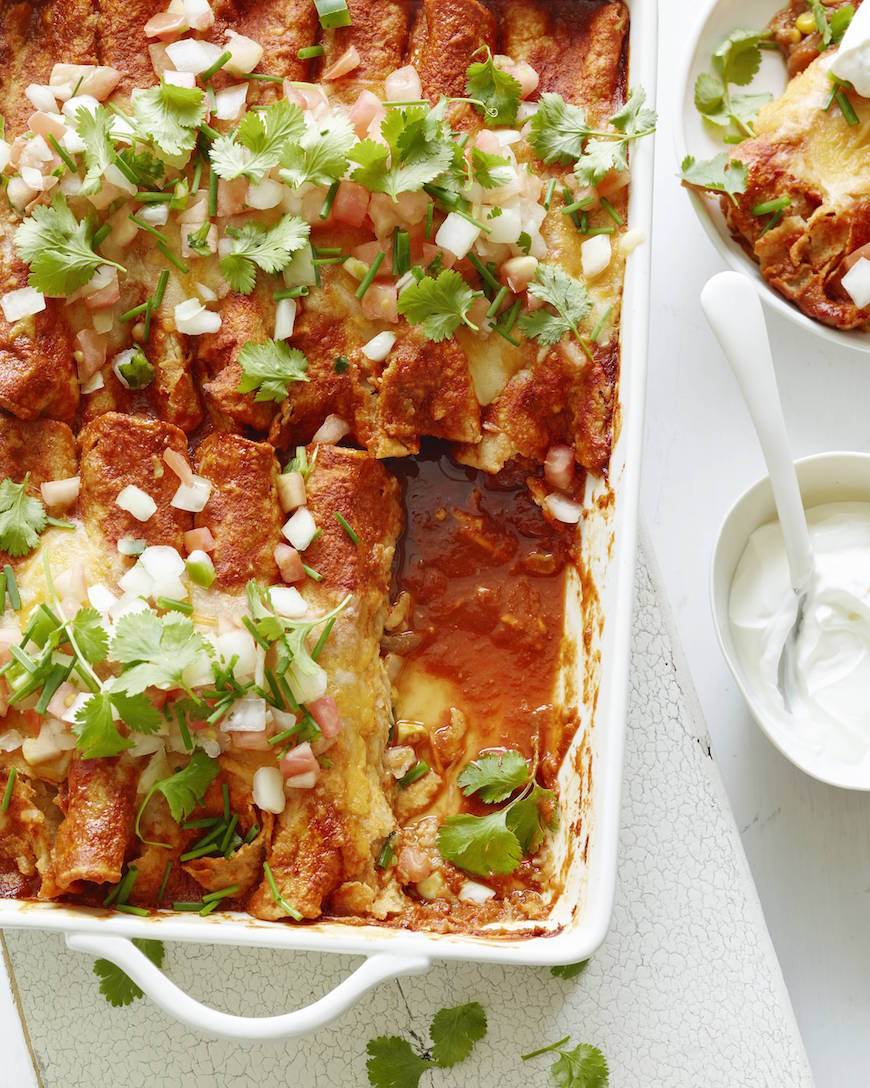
pixel 771 223
pixel 546 1049
pixel 23 660
pixel 385 854
pixel 2 591
pixel 506 335
pixel 285 734
pixel 197 852
pixel 578 205
pixel 246 620
pixel 225 791
pixel 76 88
pixel 343 522
pixel 147 197
pixel 324 635
pixel 135 312
pixel 568 197
pixel 276 895
pixel 612 212
pixel 512 316
pixel 127 882
pixel 370 275
pixel 197 175
pixel 829 101
pixel 209 907
pixel 101 235
pixel 497 301
pixel 126 170
pixel 846 109
pixel 593 231
pixel 159 235
pixel 172 605
pixel 484 273
pixel 262 77
pixel 551 186
pixel 209 132
pixel 599 325
pixel 183 729
pixel 332 13
pixel 327 203
pixel 327 251
pixel 309 51
pixel 253 832
pixel 127 908
pixel 231 827
pixel 166 873
pixel 163 279
pixel 330 260
pixel 55 678
pixel 212 193
pixel 420 768
pixel 401 252
pixel 769 206
pixel 312 573
pixel 7 793
pixel 216 67
pixel 430 215
pixel 290 292
pixel 59 523
pixel 67 159
pixel 584 223
pixel 180 905
pixel 170 256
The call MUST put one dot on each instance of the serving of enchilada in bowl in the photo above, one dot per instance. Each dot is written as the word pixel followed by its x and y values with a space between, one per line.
pixel 310 379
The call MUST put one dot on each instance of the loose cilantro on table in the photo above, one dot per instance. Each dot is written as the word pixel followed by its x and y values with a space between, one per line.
pixel 439 305
pixel 170 115
pixel 569 970
pixel 496 842
pixel 583 1067
pixel 269 367
pixel 718 175
pixel 567 296
pixel 259 142
pixel 95 131
pixel 393 1062
pixel 269 248
pixel 58 249
pixel 117 987
pixel 22 518
pixel 418 149
pixel 495 94
pixel 320 156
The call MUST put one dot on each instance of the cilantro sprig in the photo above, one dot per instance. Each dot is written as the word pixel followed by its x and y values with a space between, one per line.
pixel 394 1063
pixel 269 366
pixel 117 987
pixel 154 651
pixel 320 156
pixel 583 1067
pixel 269 248
pixel 496 842
pixel 184 790
pixel 22 518
pixel 95 131
pixel 258 143
pixel 418 149
pixel 170 115
pixel 495 94
pixel 95 727
pixel 565 295
pixel 439 305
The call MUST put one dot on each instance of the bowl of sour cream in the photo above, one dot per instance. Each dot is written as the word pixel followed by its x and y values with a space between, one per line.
pixel 826 730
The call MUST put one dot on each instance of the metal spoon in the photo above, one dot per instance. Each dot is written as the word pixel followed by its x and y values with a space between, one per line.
pixel 734 312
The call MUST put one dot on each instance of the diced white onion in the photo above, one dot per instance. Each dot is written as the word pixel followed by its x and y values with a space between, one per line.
pixel 238 644
pixel 305 781
pixel 506 228
pixel 288 602
pixel 192 497
pixel 379 347
pixel 60 492
pixel 299 529
pixel 11 740
pixel 21 303
pixel 116 177
pixel 457 235
pixel 291 491
pixel 101 597
pixel 198 14
pixel 54 739
pixel 71 107
pixel 136 502
pixel 229 104
pixel 472 892
pixel 102 320
pixel 155 215
pixel 94 384
pixel 41 97
pixel 162 562
pixel 563 509
pixel 246 54
pixel 285 318
pixel 205 292
pixel 856 283
pixel 331 430
pixel 19 193
pixel 192 318
pixel 136 581
pixel 269 790
pixel 71 184
pixel 264 195
pixel 69 715
pixel 595 253
pixel 5 154
pixel 193 55
pixel 247 715
pixel 300 271
pixel 525 110
pixel 146 745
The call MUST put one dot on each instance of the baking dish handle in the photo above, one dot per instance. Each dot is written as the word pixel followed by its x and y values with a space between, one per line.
pixel 180 1005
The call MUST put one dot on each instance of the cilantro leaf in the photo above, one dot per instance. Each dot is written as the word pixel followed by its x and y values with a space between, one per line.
pixel 155 649
pixel 499 91
pixel 58 249
pixel 170 115
pixel 738 58
pixel 22 518
pixel 90 635
pixel 583 1067
pixel 558 130
pixel 440 305
pixel 118 988
pixel 455 1031
pixel 144 165
pixel 490 171
pixel 718 175
pixel 197 241
pixel 569 970
pixel 566 295
pixel 269 367
pixel 259 142
pixel 482 845
pixel 600 157
pixel 137 712
pixel 392 1063
pixel 95 728
pixel 418 149
pixel 320 157
pixel 95 131
pixel 635 119
pixel 268 248
pixel 523 818
pixel 494 777
pixel 185 789
pixel 735 61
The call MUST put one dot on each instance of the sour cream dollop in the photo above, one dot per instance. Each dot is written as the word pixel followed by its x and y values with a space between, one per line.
pixel 852 62
pixel 831 715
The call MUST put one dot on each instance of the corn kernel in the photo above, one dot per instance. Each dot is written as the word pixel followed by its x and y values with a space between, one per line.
pixel 806 23
pixel 794 35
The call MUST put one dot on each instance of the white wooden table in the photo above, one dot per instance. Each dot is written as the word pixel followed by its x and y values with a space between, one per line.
pixel 807 843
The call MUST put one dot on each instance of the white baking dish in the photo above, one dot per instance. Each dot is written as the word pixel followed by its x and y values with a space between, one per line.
pixel 580 916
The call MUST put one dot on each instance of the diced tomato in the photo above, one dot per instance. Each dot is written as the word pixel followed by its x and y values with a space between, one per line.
pixel 368 252
pixel 106 296
pixel 93 348
pixel 289 563
pixel 157 697
pixel 614 183
pixel 487 141
pixel 31 721
pixel 351 204
pixel 403 85
pixel 380 302
pixel 256 742
pixel 44 125
pixel 325 713
pixel 231 196
pixel 364 111
pixel 199 540
pixel 299 760
pixel 348 60
pixel 414 865
pixel 559 467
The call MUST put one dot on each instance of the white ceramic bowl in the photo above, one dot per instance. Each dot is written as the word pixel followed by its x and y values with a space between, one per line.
pixel 825 477
pixel 694 137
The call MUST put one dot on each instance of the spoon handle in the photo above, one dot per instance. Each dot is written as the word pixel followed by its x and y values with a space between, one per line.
pixel 735 315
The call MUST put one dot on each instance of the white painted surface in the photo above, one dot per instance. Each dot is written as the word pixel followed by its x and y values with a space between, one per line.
pixel 684 993
pixel 15 1060
pixel 808 844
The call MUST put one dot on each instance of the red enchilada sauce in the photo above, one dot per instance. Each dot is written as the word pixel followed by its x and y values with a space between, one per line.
pixel 486 575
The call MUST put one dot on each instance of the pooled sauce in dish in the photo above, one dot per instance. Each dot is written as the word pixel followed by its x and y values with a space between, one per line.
pixel 486 574
pixel 832 663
